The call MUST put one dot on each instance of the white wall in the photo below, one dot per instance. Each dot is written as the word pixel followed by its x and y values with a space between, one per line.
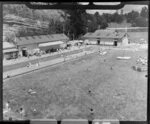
pixel 50 47
pixel 102 41
pixel 125 41
pixel 107 41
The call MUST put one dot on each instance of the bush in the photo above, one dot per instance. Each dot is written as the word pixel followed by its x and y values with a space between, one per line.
pixel 141 22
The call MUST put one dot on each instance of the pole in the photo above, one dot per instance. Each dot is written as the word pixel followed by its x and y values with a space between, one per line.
pixel 126 29
pixel 63 28
pixel 1 61
pixel 68 33
pixel 87 30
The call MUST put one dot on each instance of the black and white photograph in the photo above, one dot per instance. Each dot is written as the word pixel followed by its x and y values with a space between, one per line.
pixel 75 63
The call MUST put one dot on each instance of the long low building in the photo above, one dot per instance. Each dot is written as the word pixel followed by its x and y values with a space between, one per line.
pixel 106 37
pixel 42 42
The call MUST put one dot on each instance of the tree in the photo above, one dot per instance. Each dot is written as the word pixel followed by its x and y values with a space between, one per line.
pixel 108 17
pixel 144 12
pixel 59 27
pixel 77 22
pixel 138 19
pixel 55 26
pixel 98 18
pixel 101 21
pixel 141 22
pixel 52 28
pixel 92 23
pixel 10 37
pixel 131 16
pixel 117 18
pixel 104 24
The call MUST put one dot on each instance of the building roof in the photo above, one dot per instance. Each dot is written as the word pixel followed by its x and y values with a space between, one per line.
pixel 50 44
pixel 10 50
pixel 88 34
pixel 40 39
pixel 105 34
pixel 7 45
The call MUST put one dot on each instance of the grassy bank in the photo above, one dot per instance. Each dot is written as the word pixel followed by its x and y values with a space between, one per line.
pixel 136 36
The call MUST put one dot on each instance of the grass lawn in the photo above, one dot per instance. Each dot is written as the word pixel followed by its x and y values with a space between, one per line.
pixel 136 36
pixel 70 90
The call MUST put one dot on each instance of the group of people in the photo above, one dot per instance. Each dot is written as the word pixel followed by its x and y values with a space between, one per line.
pixel 8 109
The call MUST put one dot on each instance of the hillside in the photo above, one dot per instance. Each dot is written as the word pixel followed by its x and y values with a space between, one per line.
pixel 23 11
pixel 21 20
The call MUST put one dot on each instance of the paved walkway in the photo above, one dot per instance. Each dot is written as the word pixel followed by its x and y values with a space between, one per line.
pixel 25 59
pixel 34 67
pixel 23 63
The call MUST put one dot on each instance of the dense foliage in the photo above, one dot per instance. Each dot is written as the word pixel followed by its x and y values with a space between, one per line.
pixel 139 19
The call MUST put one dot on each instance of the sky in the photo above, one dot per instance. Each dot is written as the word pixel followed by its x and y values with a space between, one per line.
pixel 126 9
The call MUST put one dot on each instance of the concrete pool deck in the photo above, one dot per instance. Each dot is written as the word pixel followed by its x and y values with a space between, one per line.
pixel 23 59
pixel 40 65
